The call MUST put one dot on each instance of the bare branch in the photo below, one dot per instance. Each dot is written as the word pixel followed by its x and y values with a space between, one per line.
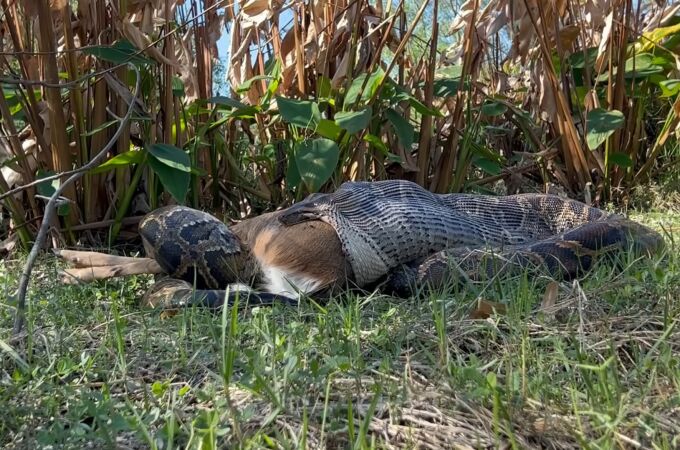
pixel 50 209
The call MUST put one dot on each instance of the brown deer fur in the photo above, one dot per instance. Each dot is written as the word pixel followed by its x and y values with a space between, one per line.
pixel 306 251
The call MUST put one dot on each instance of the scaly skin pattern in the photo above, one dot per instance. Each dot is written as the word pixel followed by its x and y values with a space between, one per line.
pixel 394 231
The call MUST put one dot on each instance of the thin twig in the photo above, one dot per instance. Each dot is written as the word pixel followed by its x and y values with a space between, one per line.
pixel 50 209
pixel 106 223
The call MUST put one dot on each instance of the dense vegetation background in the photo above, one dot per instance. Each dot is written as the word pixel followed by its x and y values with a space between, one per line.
pixel 578 98
pixel 242 106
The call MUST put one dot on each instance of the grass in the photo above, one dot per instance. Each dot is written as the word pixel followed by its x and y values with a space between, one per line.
pixel 594 367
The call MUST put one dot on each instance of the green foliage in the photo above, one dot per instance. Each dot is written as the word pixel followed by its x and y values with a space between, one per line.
pixel 304 114
pixel 122 160
pixel 120 52
pixel 602 124
pixel 402 128
pixel 315 161
pixel 173 167
pixel 353 121
pixel 362 88
pixel 47 188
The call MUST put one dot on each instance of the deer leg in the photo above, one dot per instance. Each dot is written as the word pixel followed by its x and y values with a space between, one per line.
pixel 139 266
pixel 92 259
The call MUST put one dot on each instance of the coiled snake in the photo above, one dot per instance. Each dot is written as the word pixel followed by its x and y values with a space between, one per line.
pixel 392 234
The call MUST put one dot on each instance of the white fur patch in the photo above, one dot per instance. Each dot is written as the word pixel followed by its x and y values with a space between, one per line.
pixel 278 281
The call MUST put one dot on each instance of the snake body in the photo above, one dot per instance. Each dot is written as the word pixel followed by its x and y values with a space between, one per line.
pixel 397 231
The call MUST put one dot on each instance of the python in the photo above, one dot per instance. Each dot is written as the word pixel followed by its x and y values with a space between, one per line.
pixel 392 235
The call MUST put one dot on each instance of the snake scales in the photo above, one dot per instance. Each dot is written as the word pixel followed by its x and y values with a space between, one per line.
pixel 395 233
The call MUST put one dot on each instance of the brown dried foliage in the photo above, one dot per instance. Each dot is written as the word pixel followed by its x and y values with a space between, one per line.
pixel 513 53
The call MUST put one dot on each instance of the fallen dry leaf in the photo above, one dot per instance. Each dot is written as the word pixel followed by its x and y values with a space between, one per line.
pixel 485 309
pixel 550 297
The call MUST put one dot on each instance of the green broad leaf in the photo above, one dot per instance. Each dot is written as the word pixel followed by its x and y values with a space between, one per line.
pixel 492 108
pixel 488 166
pixel 227 101
pixel 578 95
pixel 453 71
pixel 293 179
pixel 119 53
pixel 404 130
pixel 246 85
pixel 620 159
pixel 178 87
pixel 237 109
pixel 248 112
pixel 218 123
pixel 446 87
pixel 316 161
pixel 324 86
pixel 101 127
pixel 664 59
pixel 198 106
pixel 669 88
pixel 184 390
pixel 402 94
pixel 171 156
pixel 328 129
pixel 48 188
pixel 10 96
pixel 391 157
pixel 354 89
pixel 16 109
pixel 268 151
pixel 175 181
pixel 388 93
pixel 182 127
pixel 641 65
pixel 121 160
pixel 272 88
pixel 583 59
pixel 483 151
pixel 650 39
pixel 601 124
pixel 422 109
pixel 376 142
pixel 302 113
pixel 353 121
pixel 273 69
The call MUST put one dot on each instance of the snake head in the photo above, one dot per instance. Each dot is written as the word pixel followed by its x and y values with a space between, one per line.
pixel 191 244
pixel 311 208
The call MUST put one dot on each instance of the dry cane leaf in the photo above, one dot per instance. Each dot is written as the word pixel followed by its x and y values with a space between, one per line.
pixel 568 36
pixel 606 33
pixel 142 41
pixel 485 309
pixel 550 298
pixel 31 9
